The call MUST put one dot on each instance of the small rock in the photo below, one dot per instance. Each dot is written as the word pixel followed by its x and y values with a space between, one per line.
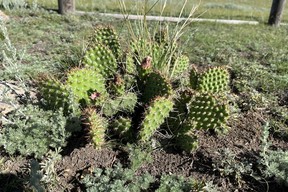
pixel 3 16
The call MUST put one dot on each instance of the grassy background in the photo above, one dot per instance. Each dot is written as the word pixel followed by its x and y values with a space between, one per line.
pixel 223 9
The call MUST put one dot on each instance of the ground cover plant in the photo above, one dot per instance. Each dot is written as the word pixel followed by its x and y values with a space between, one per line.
pixel 111 133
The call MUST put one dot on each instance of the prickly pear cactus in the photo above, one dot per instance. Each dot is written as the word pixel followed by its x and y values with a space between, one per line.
pixel 156 85
pixel 122 127
pixel 87 85
pixel 101 59
pixel 155 116
pixel 56 95
pixel 187 142
pixel 180 66
pixel 205 113
pixel 130 65
pixel 107 36
pixel 125 103
pixel 213 80
pixel 97 126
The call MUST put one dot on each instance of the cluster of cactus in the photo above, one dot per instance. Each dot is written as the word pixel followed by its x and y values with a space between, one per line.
pixel 140 89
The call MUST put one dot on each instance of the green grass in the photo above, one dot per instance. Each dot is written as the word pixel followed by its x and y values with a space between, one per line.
pixel 222 9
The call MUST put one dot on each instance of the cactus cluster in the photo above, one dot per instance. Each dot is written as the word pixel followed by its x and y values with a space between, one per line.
pixel 130 97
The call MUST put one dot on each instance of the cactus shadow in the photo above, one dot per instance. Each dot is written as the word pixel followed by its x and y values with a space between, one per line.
pixel 11 182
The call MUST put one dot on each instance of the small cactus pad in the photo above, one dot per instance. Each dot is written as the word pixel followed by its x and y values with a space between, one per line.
pixel 85 83
pixel 122 127
pixel 130 67
pixel 213 80
pixel 55 94
pixel 97 126
pixel 206 114
pixel 101 59
pixel 180 66
pixel 155 116
pixel 107 36
pixel 187 142
pixel 156 85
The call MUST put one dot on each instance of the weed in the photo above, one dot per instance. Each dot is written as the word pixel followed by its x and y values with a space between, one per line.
pixel 138 155
pixel 228 165
pixel 116 179
pixel 275 162
pixel 32 131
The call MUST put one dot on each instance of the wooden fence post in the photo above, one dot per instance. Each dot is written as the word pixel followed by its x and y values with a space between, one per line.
pixel 66 6
pixel 276 12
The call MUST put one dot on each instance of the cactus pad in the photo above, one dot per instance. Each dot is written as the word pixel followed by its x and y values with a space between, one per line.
pixel 156 85
pixel 187 142
pixel 107 36
pixel 180 66
pixel 206 114
pixel 97 126
pixel 155 116
pixel 213 80
pixel 101 59
pixel 84 83
pixel 122 127
pixel 55 95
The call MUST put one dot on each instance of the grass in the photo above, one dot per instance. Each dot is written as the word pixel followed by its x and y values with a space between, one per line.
pixel 221 9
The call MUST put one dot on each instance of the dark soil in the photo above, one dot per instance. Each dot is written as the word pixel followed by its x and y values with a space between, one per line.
pixel 242 140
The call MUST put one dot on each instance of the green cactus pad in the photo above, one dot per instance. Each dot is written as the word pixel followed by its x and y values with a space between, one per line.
pixel 107 36
pixel 125 103
pixel 85 83
pixel 180 66
pixel 156 85
pixel 101 59
pixel 206 113
pixel 97 126
pixel 155 116
pixel 130 66
pixel 187 142
pixel 122 127
pixel 55 95
pixel 213 80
